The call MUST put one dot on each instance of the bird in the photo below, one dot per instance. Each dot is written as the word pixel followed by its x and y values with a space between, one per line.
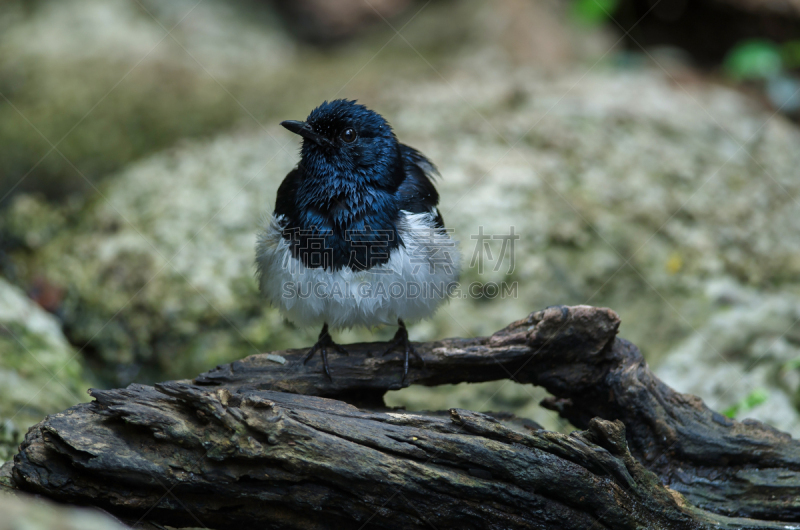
pixel 356 237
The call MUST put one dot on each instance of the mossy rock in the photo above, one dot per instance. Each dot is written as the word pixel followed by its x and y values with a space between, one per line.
pixel 156 272
pixel 25 511
pixel 94 84
pixel 745 361
pixel 40 373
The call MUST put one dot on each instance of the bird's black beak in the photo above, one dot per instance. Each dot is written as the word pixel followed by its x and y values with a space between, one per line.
pixel 304 130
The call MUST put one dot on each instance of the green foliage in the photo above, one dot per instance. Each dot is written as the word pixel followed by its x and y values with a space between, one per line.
pixel 749 402
pixel 592 12
pixel 754 59
pixel 790 53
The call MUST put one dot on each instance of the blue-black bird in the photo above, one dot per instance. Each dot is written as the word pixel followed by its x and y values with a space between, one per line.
pixel 356 238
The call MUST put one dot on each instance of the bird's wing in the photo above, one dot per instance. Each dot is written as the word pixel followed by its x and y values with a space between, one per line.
pixel 417 193
pixel 285 201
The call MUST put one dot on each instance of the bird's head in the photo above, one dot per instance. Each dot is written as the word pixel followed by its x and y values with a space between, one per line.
pixel 347 144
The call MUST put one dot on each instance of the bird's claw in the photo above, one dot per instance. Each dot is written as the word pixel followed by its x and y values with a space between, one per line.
pixel 401 339
pixel 324 341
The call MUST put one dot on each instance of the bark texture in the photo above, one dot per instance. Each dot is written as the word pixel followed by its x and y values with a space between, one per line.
pixel 257 442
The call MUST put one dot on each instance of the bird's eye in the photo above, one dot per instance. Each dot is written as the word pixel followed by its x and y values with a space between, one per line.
pixel 348 135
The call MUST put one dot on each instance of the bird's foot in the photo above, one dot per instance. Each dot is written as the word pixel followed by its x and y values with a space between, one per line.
pixel 324 341
pixel 401 339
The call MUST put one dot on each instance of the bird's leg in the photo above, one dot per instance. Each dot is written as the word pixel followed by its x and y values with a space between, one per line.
pixel 324 341
pixel 401 339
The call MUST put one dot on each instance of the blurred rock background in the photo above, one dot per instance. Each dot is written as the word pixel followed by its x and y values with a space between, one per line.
pixel 22 511
pixel 654 172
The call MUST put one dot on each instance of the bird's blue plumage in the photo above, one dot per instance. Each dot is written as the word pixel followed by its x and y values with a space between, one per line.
pixel 347 197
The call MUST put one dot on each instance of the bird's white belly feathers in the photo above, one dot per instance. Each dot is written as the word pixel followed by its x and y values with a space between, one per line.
pixel 418 277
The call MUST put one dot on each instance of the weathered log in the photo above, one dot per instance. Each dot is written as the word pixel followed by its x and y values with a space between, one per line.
pixel 182 454
pixel 239 446
pixel 745 469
